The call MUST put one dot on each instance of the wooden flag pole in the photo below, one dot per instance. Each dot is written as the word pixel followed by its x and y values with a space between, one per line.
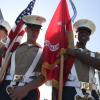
pixel 70 45
pixel 61 78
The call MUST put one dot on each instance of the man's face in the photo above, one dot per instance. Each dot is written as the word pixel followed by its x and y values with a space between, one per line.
pixel 2 34
pixel 83 36
pixel 3 37
pixel 32 33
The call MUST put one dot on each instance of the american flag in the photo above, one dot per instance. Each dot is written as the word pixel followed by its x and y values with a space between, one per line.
pixel 27 11
pixel 17 32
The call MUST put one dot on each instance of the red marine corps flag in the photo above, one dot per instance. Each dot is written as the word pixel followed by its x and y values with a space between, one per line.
pixel 59 37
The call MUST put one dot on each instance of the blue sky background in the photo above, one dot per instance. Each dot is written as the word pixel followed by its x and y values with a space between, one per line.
pixel 85 9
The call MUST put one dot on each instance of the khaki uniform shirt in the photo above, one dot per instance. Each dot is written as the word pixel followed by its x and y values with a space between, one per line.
pixel 24 57
pixel 85 73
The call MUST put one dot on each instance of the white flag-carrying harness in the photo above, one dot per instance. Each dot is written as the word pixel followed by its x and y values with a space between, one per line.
pixel 30 71
pixel 78 89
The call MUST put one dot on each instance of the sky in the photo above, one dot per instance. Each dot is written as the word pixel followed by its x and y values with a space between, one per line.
pixel 87 9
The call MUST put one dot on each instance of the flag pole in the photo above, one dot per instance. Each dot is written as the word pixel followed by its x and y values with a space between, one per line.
pixel 61 78
pixel 62 56
pixel 70 45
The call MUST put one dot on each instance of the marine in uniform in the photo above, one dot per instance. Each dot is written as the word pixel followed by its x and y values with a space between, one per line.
pixel 24 75
pixel 4 31
pixel 83 70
